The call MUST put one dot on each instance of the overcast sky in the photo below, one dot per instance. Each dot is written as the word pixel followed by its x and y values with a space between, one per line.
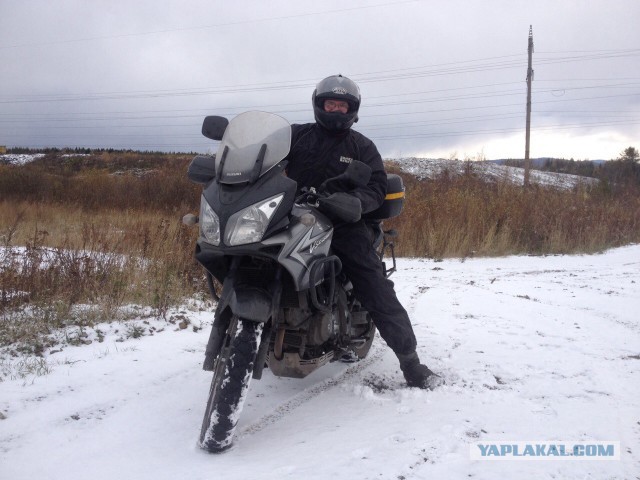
pixel 438 78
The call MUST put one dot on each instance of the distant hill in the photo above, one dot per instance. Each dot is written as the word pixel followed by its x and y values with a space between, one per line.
pixel 586 168
pixel 540 162
pixel 424 168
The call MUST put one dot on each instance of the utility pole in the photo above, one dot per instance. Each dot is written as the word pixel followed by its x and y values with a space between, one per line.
pixel 527 160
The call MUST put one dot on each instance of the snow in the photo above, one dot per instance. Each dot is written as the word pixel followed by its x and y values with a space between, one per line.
pixel 19 158
pixel 531 349
pixel 23 158
pixel 431 168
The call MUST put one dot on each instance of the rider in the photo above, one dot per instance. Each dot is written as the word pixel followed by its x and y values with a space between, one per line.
pixel 323 150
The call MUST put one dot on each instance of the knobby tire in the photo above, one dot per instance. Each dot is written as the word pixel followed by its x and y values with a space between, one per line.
pixel 231 377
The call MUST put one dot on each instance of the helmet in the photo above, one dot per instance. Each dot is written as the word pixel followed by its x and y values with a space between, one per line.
pixel 339 88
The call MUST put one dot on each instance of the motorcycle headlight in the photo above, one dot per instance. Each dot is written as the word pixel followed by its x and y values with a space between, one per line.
pixel 209 223
pixel 249 224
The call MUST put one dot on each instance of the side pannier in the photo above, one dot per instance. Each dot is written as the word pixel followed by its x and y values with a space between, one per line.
pixel 393 201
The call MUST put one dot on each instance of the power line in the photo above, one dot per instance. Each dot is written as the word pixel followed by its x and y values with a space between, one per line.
pixel 139 115
pixel 369 115
pixel 380 76
pixel 498 130
pixel 553 127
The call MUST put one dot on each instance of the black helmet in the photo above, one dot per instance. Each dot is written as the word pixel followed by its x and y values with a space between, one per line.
pixel 339 88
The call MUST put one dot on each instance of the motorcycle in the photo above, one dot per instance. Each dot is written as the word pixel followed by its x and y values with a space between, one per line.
pixel 284 302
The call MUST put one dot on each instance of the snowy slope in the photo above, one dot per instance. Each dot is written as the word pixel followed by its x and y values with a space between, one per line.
pixel 19 158
pixel 431 168
pixel 532 349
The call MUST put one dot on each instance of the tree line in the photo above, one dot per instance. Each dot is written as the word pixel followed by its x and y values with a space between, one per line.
pixel 623 171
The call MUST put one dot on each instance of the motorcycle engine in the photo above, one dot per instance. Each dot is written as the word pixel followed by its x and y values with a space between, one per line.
pixel 322 326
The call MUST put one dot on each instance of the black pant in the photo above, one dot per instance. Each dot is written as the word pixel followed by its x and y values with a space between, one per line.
pixel 352 243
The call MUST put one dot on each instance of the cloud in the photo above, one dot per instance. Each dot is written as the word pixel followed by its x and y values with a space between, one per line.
pixel 436 77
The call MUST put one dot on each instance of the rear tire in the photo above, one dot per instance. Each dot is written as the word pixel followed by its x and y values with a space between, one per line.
pixel 362 350
pixel 231 377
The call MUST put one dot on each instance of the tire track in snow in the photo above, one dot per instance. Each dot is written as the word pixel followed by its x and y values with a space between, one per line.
pixel 312 392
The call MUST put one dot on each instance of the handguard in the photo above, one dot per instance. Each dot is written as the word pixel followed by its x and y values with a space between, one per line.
pixel 341 206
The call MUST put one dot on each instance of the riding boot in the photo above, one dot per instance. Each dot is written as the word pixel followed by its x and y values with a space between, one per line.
pixel 415 373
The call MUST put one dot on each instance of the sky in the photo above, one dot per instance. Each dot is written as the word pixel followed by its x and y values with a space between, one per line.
pixel 538 350
pixel 438 79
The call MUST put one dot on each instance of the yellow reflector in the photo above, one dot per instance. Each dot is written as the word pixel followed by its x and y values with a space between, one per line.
pixel 394 196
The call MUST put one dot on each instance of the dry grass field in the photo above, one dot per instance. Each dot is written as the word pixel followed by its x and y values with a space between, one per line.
pixel 83 239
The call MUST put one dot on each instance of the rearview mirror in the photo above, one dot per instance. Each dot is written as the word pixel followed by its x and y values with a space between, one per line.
pixel 214 126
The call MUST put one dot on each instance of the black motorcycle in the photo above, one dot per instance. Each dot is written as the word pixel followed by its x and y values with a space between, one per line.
pixel 283 302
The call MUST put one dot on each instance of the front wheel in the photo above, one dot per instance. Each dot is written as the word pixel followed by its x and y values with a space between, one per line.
pixel 231 376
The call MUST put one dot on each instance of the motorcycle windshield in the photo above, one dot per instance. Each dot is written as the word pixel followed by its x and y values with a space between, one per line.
pixel 253 143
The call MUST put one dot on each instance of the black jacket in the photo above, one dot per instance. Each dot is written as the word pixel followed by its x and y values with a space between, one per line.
pixel 317 155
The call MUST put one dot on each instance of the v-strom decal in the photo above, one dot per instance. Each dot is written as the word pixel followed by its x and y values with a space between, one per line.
pixel 307 245
pixel 316 243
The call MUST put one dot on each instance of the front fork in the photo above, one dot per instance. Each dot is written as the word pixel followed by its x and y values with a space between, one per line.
pixel 248 302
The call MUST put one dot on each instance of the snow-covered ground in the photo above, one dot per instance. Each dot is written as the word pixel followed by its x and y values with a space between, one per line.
pixel 19 158
pixel 431 168
pixel 531 348
pixel 22 158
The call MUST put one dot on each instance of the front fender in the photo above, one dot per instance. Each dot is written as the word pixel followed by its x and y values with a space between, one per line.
pixel 251 303
pixel 246 301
